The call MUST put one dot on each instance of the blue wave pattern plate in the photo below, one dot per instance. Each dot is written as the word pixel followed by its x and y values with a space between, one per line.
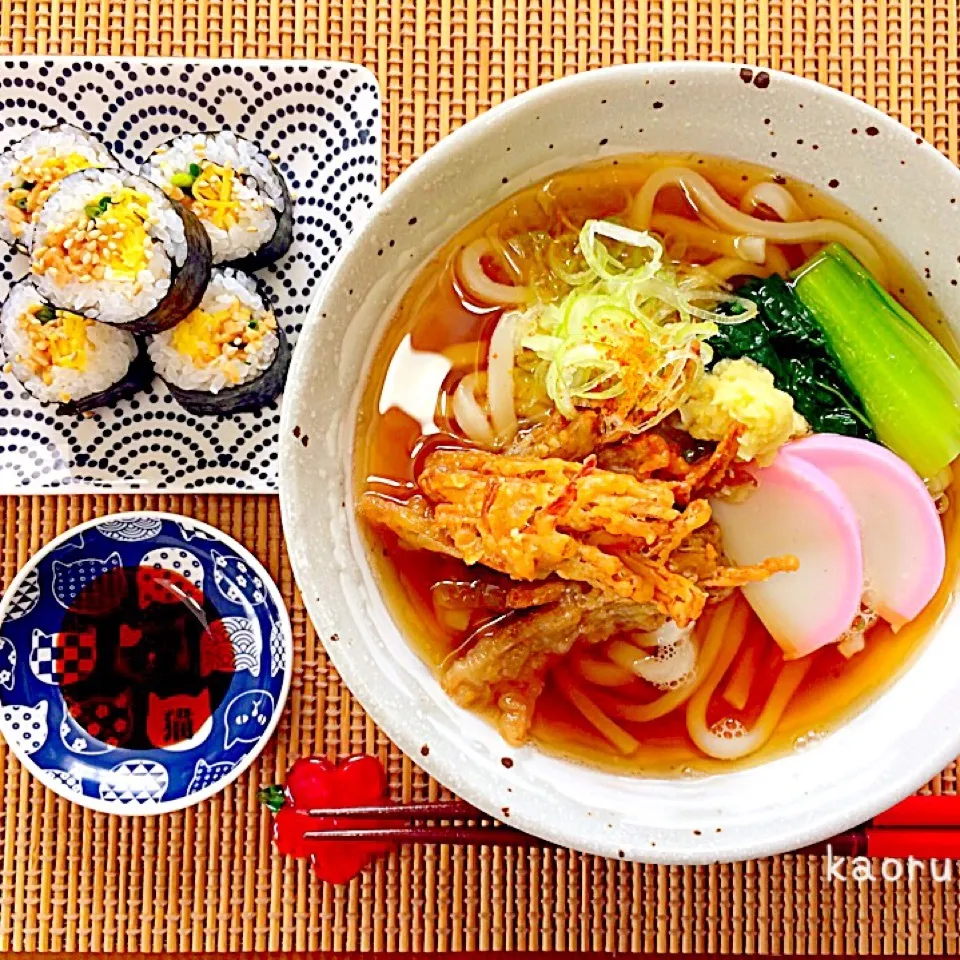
pixel 322 120
pixel 34 716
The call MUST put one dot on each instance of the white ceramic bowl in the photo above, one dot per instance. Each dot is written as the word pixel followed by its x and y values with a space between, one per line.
pixel 881 170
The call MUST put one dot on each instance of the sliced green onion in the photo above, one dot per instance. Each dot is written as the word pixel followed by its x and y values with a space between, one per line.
pixel 99 208
pixel 624 308
pixel 603 263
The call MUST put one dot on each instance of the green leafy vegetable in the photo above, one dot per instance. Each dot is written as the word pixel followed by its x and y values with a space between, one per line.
pixel 909 384
pixel 194 169
pixel 787 340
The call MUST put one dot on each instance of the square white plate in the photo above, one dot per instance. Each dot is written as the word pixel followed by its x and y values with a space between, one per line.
pixel 323 122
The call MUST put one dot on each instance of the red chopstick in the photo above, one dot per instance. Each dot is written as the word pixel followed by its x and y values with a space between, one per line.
pixel 922 811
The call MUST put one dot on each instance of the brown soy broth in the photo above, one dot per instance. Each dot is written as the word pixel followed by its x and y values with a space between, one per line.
pixel 390 445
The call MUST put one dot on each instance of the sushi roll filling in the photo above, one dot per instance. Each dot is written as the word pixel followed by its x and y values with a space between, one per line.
pixel 229 340
pixel 32 168
pixel 60 356
pixel 226 338
pixel 56 339
pixel 32 180
pixel 215 193
pixel 109 240
pixel 228 184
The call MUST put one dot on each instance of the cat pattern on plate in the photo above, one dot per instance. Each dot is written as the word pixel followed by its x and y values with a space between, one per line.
pixel 131 529
pixel 8 663
pixel 77 740
pixel 26 597
pixel 137 782
pixel 107 718
pixel 247 716
pixel 178 717
pixel 63 658
pixel 232 643
pixel 206 774
pixel 27 726
pixel 236 581
pixel 179 563
pixel 70 580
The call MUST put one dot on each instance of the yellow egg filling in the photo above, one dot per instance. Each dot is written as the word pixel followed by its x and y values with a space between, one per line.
pixel 57 339
pixel 109 240
pixel 207 189
pixel 216 337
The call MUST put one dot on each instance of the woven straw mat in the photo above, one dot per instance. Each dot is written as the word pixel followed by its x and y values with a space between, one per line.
pixel 206 879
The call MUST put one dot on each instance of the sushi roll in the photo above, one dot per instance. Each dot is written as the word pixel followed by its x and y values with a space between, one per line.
pixel 64 358
pixel 32 167
pixel 111 246
pixel 230 354
pixel 239 195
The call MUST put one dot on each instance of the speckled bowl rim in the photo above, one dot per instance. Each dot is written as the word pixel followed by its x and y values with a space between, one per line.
pixel 254 749
pixel 930 751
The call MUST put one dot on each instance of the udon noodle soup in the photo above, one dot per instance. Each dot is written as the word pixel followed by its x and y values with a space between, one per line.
pixel 612 454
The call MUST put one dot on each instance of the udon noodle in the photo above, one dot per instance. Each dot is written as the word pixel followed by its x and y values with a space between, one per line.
pixel 539 473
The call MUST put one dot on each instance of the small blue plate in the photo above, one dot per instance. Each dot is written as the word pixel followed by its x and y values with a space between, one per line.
pixel 208 734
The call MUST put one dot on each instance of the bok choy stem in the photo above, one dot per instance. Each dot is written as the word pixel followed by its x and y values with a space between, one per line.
pixel 909 385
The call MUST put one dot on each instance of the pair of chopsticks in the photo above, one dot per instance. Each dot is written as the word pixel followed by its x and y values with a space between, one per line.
pixel 923 827
pixel 421 826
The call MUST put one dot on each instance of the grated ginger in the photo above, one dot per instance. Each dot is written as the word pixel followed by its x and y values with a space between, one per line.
pixel 742 392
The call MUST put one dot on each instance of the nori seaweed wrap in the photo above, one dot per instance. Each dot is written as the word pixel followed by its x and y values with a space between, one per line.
pixel 230 354
pixel 239 194
pixel 113 247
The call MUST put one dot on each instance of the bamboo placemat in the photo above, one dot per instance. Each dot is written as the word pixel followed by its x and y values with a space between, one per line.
pixel 206 879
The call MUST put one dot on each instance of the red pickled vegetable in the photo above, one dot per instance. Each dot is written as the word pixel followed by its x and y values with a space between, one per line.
pixel 316 783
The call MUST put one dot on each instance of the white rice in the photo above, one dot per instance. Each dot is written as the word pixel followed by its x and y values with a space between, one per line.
pixel 112 299
pixel 36 147
pixel 260 192
pixel 109 353
pixel 175 368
